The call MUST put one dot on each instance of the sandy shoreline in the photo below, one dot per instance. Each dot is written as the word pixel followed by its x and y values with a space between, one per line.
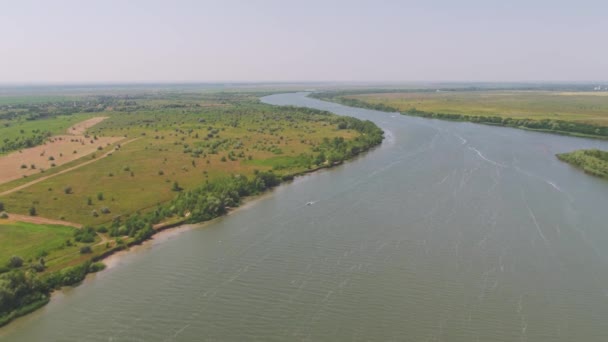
pixel 163 235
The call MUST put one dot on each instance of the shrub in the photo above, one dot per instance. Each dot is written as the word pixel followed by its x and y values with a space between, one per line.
pixel 33 211
pixel 86 250
pixel 100 196
pixel 94 213
pixel 86 235
pixel 1 206
pixel 23 166
pixel 67 190
pixel 15 261
pixel 96 267
pixel 105 210
pixel 38 267
pixel 102 229
pixel 161 172
pixel 89 201
pixel 3 215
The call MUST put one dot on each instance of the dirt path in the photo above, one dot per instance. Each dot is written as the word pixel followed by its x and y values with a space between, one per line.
pixel 41 179
pixel 81 127
pixel 55 151
pixel 41 220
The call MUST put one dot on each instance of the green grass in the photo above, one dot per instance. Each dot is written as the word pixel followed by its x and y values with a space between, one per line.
pixel 31 99
pixel 14 129
pixel 589 108
pixel 594 162
pixel 32 241
pixel 236 128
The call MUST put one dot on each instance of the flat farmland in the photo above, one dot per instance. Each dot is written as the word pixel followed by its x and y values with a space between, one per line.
pixel 581 107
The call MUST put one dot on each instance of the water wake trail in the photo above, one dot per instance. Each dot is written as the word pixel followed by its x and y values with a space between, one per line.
pixel 495 163
pixel 540 232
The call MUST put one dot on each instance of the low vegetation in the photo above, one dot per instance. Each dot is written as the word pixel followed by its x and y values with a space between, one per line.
pixel 183 158
pixel 594 162
pixel 572 113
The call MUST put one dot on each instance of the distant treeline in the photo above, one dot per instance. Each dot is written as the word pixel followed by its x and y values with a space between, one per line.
pixel 594 162
pixel 545 125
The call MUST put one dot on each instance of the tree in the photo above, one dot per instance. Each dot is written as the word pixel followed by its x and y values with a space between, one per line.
pixel 1 206
pixel 100 196
pixel 33 211
pixel 67 190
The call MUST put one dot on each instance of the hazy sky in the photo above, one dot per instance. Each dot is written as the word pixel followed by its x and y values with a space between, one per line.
pixel 307 40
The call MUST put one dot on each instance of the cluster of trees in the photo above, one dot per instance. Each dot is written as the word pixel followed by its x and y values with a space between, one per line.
pixel 23 291
pixel 20 292
pixel 24 141
pixel 594 162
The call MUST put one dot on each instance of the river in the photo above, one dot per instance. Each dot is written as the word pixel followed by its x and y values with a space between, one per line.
pixel 448 231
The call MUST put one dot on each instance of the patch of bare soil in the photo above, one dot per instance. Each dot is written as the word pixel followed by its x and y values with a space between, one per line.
pixel 56 151
pixel 40 220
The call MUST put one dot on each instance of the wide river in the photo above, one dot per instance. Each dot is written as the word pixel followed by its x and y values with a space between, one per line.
pixel 448 231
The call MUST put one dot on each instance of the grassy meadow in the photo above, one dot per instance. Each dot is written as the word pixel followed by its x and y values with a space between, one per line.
pixel 589 107
pixel 188 145
pixel 34 241
pixel 576 113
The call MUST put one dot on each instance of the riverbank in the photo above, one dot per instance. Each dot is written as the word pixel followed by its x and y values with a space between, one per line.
pixel 201 204
pixel 543 123
pixel 396 244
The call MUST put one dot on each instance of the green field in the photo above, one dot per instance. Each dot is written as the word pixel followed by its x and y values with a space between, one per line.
pixel 18 130
pixel 594 162
pixel 591 107
pixel 34 241
pixel 573 113
pixel 189 142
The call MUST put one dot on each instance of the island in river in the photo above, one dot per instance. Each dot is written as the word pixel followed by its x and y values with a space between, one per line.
pixel 593 161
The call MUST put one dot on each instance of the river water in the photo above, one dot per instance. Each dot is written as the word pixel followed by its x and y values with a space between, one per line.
pixel 448 231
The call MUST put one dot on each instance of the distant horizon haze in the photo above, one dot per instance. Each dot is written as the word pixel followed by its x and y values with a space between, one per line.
pixel 391 42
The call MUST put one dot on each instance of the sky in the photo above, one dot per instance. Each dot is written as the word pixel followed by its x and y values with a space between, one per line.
pixel 56 41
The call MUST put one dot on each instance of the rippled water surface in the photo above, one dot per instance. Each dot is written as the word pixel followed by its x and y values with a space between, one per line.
pixel 447 232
